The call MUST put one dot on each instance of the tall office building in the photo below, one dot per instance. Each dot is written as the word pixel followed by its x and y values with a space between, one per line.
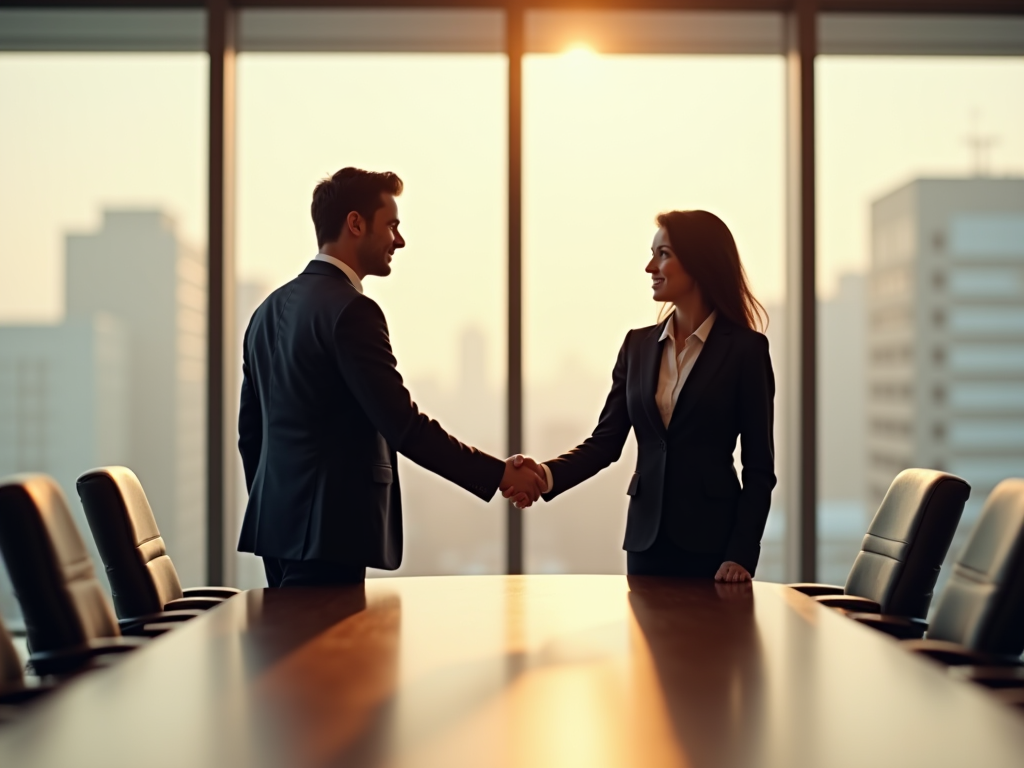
pixel 62 389
pixel 946 333
pixel 136 269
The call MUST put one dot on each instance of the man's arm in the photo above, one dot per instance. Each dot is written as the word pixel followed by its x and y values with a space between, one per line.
pixel 250 420
pixel 364 357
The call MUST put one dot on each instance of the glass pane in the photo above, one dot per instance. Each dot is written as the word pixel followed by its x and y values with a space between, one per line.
pixel 440 122
pixel 921 282
pixel 103 279
pixel 610 142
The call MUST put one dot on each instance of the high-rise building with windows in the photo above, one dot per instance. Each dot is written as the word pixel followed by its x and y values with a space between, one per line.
pixel 946 333
pixel 138 270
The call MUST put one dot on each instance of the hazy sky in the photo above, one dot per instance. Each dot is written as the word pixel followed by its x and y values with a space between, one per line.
pixel 609 142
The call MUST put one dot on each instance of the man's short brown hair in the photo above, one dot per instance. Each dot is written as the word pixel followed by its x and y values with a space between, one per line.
pixel 350 189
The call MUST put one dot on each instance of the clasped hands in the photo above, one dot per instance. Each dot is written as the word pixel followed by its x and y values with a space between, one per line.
pixel 523 482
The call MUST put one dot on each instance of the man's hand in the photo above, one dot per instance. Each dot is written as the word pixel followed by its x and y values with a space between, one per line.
pixel 730 571
pixel 523 482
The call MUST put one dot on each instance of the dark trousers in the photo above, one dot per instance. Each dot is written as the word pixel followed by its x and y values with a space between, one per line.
pixel 665 558
pixel 311 573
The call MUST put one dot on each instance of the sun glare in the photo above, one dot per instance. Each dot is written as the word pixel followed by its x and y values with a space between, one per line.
pixel 580 51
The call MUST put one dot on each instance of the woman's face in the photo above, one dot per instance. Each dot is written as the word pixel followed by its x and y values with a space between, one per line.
pixel 669 280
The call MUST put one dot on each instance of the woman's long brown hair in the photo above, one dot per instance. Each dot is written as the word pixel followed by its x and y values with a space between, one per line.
pixel 706 249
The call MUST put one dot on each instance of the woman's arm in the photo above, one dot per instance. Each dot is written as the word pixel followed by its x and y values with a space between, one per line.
pixel 605 444
pixel 757 395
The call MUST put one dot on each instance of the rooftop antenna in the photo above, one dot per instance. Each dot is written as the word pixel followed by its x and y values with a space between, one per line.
pixel 981 147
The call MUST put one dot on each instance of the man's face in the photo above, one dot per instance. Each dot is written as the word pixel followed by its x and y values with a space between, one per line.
pixel 381 240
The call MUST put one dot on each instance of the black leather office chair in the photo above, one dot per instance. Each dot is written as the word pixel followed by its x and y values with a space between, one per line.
pixel 979 618
pixel 142 577
pixel 67 615
pixel 903 550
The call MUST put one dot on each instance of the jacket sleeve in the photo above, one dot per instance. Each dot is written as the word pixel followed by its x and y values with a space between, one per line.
pixel 756 408
pixel 605 444
pixel 363 351
pixel 250 420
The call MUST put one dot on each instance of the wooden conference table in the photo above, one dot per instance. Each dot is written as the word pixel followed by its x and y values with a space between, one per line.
pixel 535 671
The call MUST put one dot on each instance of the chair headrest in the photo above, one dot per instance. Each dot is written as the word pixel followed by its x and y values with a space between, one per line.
pixel 907 501
pixel 118 491
pixel 36 508
pixel 995 544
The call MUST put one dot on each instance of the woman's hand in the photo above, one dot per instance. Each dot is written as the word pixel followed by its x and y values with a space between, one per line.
pixel 731 571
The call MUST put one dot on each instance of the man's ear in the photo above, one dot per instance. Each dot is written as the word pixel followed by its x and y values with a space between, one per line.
pixel 355 223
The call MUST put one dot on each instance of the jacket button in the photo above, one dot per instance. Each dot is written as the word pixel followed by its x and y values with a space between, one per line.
pixel 664 447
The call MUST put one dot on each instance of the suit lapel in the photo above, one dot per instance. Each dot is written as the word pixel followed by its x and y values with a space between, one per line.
pixel 650 364
pixel 711 357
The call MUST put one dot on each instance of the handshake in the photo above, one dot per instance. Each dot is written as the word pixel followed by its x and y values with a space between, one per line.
pixel 524 480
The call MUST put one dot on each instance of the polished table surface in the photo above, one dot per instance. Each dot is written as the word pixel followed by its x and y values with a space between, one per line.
pixel 535 671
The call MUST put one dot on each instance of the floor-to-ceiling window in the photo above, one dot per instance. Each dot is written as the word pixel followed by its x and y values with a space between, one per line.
pixel 103 150
pixel 920 262
pixel 423 94
pixel 103 162
pixel 627 115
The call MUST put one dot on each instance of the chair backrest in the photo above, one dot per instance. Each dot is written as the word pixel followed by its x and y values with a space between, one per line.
pixel 907 541
pixel 142 577
pixel 11 676
pixel 62 602
pixel 982 604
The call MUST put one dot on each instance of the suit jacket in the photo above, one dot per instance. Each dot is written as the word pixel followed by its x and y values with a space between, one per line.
pixel 685 480
pixel 323 415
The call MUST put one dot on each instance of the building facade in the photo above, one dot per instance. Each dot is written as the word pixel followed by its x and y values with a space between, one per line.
pixel 945 383
pixel 136 269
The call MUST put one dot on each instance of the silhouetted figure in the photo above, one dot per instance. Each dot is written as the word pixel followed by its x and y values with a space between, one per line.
pixel 688 387
pixel 324 411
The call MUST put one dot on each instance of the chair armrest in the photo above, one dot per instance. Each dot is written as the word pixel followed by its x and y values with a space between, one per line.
pixel 813 590
pixel 849 603
pixel 134 625
pixel 954 654
pixel 193 604
pixel 66 660
pixel 222 592
pixel 901 627
pixel 158 628
pixel 990 677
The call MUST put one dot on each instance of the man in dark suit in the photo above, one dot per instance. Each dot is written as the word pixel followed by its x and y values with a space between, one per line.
pixel 324 411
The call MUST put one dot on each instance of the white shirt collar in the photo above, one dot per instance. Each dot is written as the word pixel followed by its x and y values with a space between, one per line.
pixel 702 332
pixel 349 272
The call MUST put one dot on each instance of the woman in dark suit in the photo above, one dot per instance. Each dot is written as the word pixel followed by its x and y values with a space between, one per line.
pixel 688 387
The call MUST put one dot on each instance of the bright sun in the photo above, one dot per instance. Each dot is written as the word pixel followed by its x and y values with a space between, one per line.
pixel 580 51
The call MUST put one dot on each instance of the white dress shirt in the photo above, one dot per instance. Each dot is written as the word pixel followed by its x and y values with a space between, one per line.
pixel 676 365
pixel 349 272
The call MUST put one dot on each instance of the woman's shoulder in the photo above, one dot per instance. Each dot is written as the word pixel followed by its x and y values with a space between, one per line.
pixel 747 337
pixel 636 335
